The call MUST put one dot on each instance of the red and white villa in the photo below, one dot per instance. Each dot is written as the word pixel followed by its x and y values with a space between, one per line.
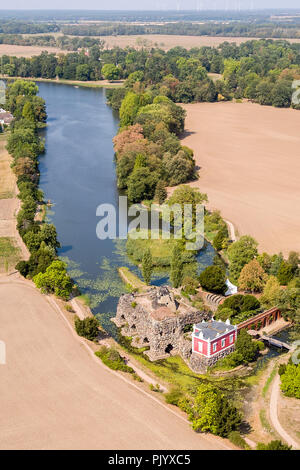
pixel 214 339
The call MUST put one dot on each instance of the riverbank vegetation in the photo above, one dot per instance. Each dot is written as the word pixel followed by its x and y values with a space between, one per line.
pixel 25 145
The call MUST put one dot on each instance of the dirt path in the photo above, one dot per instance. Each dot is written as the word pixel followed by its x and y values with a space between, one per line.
pixel 248 159
pixel 275 391
pixel 55 393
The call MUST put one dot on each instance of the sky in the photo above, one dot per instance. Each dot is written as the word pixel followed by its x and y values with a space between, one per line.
pixel 151 4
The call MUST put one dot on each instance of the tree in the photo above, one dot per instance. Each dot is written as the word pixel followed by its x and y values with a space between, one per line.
pixel 160 194
pixel 290 381
pixel 83 72
pixel 141 184
pixel 176 267
pixel 178 168
pixel 252 277
pixel 285 273
pixel 294 260
pixel 245 346
pixel 88 327
pixel 110 72
pixel 55 280
pixel 271 292
pixel 273 445
pixel 213 412
pixel 213 279
pixel 147 266
pixel 28 111
pixel 240 253
pixel 129 109
pixel 220 240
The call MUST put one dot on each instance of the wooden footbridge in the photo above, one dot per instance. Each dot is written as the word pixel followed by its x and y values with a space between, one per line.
pixel 276 342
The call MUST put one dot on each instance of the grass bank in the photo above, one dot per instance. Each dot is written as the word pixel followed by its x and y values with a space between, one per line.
pixel 86 84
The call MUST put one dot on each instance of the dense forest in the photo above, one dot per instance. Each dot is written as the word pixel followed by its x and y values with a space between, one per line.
pixel 262 71
pixel 233 29
pixel 63 42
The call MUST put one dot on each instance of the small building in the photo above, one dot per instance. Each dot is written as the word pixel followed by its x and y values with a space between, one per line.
pixel 5 117
pixel 213 340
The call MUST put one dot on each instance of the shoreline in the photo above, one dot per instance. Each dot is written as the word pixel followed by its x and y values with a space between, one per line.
pixel 84 84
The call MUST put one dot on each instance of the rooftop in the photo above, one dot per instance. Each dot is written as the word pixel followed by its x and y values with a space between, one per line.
pixel 212 329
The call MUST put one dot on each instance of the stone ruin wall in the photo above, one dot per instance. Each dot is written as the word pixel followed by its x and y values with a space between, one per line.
pixel 162 337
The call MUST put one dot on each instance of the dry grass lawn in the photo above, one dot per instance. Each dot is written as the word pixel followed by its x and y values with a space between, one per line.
pixel 249 163
pixel 7 179
pixel 166 42
pixel 10 254
pixel 25 51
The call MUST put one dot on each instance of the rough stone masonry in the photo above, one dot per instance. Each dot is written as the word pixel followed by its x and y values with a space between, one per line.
pixel 159 319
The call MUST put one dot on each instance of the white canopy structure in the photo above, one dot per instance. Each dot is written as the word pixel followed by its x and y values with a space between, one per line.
pixel 232 289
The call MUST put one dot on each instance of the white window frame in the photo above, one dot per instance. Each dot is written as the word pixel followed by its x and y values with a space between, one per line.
pixel 200 346
pixel 223 342
pixel 231 338
pixel 215 346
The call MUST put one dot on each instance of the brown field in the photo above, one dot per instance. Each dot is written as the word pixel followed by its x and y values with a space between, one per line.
pixel 25 51
pixel 168 41
pixel 163 41
pixel 249 161
pixel 56 395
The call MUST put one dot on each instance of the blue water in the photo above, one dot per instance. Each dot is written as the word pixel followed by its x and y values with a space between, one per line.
pixel 78 174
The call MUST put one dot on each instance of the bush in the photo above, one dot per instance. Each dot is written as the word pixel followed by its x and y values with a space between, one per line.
pixel 273 445
pixel 213 412
pixel 219 241
pixel 282 369
pixel 190 285
pixel 290 381
pixel 88 327
pixel 213 279
pixel 240 303
pixel 237 440
pixel 112 359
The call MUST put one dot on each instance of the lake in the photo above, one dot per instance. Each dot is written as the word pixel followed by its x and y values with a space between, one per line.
pixel 77 174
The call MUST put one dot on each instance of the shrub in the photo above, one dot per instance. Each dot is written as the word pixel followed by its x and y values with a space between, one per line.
pixel 88 327
pixel 282 369
pixel 213 279
pixel 112 359
pixel 273 445
pixel 190 285
pixel 290 381
pixel 237 440
pixel 240 303
pixel 219 241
